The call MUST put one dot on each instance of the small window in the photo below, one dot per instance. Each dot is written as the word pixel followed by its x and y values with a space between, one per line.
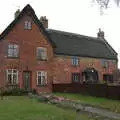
pixel 108 78
pixel 12 76
pixel 105 63
pixel 41 78
pixel 28 25
pixel 75 61
pixel 76 77
pixel 114 62
pixel 13 50
pixel 41 53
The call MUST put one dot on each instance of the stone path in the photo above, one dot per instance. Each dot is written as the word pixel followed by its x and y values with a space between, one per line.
pixel 62 102
pixel 98 111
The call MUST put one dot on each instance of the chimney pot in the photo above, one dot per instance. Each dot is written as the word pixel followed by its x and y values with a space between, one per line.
pixel 100 34
pixel 44 21
pixel 17 13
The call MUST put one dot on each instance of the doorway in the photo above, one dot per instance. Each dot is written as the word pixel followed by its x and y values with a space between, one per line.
pixel 27 80
pixel 90 75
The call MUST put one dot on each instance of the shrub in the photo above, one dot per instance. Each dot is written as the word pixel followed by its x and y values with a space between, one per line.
pixel 15 92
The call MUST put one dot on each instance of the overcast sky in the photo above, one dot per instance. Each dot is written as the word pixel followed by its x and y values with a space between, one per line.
pixel 77 16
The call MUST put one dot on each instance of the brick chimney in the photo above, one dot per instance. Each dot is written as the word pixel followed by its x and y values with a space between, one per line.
pixel 100 34
pixel 17 13
pixel 44 21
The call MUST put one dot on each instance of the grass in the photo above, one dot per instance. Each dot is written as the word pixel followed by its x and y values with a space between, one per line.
pixel 23 108
pixel 112 105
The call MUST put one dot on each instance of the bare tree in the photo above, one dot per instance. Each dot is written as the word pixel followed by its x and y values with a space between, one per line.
pixel 105 3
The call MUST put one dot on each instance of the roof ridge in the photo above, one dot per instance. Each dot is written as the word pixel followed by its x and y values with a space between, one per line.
pixel 76 35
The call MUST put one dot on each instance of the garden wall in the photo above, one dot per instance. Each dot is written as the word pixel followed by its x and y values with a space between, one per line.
pixel 98 90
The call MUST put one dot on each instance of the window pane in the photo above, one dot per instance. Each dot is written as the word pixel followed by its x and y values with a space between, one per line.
pixel 10 52
pixel 27 25
pixel 105 63
pixel 9 78
pixel 38 53
pixel 9 71
pixel 42 78
pixel 42 53
pixel 14 78
pixel 15 71
pixel 39 73
pixel 13 50
pixel 39 80
pixel 75 61
pixel 10 46
pixel 75 77
pixel 15 46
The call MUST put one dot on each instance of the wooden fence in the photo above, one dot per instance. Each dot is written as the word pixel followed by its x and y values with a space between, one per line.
pixel 98 90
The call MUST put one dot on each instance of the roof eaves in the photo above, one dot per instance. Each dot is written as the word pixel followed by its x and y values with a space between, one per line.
pixel 69 34
pixel 110 47
pixel 110 58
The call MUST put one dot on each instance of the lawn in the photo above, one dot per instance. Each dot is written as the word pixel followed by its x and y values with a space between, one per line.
pixel 113 105
pixel 24 108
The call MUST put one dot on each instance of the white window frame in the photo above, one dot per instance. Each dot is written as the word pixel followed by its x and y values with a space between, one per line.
pixel 42 74
pixel 75 61
pixel 28 25
pixel 76 77
pixel 12 73
pixel 13 50
pixel 42 55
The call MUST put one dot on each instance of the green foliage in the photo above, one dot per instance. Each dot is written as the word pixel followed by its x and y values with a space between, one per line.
pixel 17 92
pixel 14 92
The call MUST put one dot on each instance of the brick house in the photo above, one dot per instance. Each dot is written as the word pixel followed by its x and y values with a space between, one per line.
pixel 35 57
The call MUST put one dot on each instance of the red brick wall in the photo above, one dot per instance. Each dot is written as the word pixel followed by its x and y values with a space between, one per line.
pixel 59 68
pixel 28 41
pixel 63 68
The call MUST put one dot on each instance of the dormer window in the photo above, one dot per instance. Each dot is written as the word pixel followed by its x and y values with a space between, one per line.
pixel 28 25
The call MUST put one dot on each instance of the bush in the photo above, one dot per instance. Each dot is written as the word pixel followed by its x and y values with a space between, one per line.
pixel 15 92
